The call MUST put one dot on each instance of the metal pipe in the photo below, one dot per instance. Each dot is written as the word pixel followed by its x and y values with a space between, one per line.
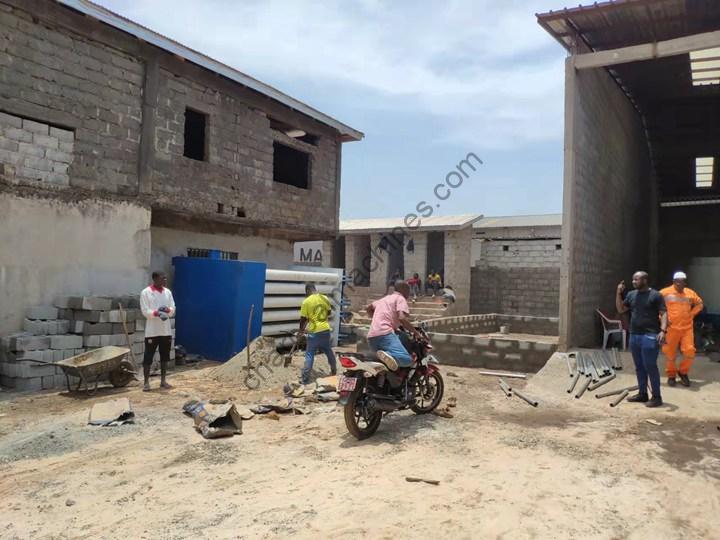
pixel 505 388
pixel 616 392
pixel 528 400
pixel 584 387
pixel 573 382
pixel 620 398
pixel 602 381
pixel 581 363
pixel 567 361
pixel 618 360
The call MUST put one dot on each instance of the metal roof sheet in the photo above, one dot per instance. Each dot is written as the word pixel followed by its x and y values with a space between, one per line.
pixel 540 220
pixel 432 223
pixel 621 23
pixel 145 34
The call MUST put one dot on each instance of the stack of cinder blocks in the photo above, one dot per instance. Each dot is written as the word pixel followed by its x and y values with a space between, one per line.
pixel 72 326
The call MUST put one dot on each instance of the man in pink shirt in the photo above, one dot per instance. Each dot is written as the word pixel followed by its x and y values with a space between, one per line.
pixel 388 314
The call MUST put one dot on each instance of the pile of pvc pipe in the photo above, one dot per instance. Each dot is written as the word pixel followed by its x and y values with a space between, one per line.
pixel 589 370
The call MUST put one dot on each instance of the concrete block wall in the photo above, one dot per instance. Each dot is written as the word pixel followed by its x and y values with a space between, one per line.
pixel 34 153
pixel 457 266
pixel 523 253
pixel 608 197
pixel 525 291
pixel 379 261
pixel 491 322
pixel 23 355
pixel 57 76
pixel 238 172
pixel 416 260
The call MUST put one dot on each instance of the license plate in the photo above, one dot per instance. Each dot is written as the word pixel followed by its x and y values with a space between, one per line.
pixel 347 384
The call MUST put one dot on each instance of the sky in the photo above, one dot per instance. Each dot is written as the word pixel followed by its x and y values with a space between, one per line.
pixel 426 82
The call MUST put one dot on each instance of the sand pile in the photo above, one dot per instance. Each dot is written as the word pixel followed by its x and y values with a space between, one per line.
pixel 267 367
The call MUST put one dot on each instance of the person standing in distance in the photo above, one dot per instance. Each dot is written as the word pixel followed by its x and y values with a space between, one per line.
pixel 648 325
pixel 157 306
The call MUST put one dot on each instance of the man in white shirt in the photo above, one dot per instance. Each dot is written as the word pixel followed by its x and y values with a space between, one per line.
pixel 157 305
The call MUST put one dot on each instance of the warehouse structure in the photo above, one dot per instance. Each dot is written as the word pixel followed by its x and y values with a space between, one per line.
pixel 642 150
pixel 120 149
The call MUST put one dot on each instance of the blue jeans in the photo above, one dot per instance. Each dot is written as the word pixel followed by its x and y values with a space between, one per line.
pixel 645 349
pixel 319 341
pixel 391 344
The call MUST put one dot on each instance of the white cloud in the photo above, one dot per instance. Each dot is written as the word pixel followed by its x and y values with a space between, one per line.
pixel 483 70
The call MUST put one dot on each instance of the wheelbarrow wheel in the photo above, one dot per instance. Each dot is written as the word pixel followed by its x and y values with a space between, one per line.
pixel 122 375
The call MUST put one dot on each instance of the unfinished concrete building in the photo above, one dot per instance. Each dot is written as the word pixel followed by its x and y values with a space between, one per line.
pixel 120 148
pixel 516 265
pixel 373 249
pixel 642 150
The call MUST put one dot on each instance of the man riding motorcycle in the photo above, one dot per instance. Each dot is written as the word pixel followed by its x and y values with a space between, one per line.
pixel 388 314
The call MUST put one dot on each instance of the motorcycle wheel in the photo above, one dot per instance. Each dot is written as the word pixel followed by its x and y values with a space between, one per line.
pixel 429 391
pixel 360 424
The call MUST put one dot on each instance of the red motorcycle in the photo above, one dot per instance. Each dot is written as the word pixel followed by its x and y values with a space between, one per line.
pixel 368 388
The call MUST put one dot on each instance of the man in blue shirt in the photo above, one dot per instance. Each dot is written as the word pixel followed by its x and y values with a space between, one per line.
pixel 648 325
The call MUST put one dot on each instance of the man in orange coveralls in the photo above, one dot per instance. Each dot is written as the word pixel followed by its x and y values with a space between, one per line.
pixel 683 304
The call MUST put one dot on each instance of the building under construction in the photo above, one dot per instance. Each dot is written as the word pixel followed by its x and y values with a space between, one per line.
pixel 642 148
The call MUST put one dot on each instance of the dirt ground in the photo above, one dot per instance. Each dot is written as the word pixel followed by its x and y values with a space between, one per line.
pixel 569 469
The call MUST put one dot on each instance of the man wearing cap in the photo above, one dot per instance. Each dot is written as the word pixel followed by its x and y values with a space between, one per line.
pixel 683 304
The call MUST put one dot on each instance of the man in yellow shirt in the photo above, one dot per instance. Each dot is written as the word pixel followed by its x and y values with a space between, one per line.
pixel 314 314
pixel 434 282
pixel 683 304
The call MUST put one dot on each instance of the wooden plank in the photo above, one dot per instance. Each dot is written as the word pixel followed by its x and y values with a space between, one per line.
pixel 647 51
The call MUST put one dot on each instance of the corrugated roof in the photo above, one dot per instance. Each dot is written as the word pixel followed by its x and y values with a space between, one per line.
pixel 621 23
pixel 145 34
pixel 540 220
pixel 432 223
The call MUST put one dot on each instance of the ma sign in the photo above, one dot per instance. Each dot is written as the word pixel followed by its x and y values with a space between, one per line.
pixel 308 253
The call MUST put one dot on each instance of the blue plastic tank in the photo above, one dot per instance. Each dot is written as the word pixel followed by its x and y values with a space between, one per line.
pixel 213 299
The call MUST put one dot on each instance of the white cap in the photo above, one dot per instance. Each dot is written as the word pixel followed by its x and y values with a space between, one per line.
pixel 679 275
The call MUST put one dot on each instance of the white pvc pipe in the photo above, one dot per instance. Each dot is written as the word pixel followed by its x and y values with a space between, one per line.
pixel 297 288
pixel 297 275
pixel 277 329
pixel 281 315
pixel 283 301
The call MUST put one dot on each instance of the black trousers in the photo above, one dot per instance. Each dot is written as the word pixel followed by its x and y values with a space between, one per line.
pixel 152 344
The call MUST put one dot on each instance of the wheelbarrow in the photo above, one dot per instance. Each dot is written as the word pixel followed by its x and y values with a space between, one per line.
pixel 93 365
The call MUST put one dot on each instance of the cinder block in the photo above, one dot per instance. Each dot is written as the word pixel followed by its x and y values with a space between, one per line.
pixel 138 348
pixel 117 328
pixel 138 337
pixel 28 385
pixel 79 351
pixel 52 328
pixel 35 127
pixel 68 353
pixel 140 324
pixel 30 355
pixel 96 303
pixel 119 340
pixel 92 341
pixel 106 341
pixel 48 382
pixel 63 327
pixel 42 312
pixel 66 314
pixel 57 356
pixel 33 369
pixel 29 343
pixel 66 342
pixel 77 327
pixel 68 302
pixel 96 329
pixel 48 356
pixel 62 134
pixel 36 328
pixel 87 316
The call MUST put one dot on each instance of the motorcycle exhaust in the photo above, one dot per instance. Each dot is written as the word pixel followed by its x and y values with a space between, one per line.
pixel 384 405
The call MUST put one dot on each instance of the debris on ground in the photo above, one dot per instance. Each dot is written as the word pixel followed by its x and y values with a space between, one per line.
pixel 69 502
pixel 452 374
pixel 271 415
pixel 653 422
pixel 425 480
pixel 214 420
pixel 266 407
pixel 444 412
pixel 452 401
pixel 115 412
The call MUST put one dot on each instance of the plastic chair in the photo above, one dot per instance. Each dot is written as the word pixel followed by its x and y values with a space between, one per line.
pixel 612 326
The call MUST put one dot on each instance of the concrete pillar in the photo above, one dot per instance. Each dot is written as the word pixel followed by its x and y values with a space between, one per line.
pixel 416 261
pixel 328 247
pixel 378 265
pixel 457 267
